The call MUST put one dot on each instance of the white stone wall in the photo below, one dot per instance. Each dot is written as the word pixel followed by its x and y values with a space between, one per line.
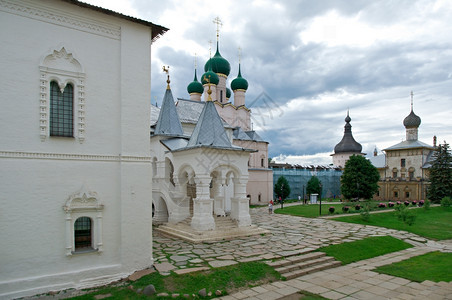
pixel 39 173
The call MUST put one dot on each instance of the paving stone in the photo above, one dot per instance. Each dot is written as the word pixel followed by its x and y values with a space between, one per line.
pixel 164 267
pixel 332 295
pixel 221 263
pixel 190 270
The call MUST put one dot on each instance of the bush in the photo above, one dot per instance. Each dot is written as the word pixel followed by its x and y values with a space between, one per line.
pixel 421 203
pixel 405 215
pixel 414 202
pixel 381 205
pixel 345 208
pixel 390 204
pixel 398 202
pixel 406 203
pixel 357 207
pixel 427 205
pixel 365 215
pixel 331 209
pixel 446 202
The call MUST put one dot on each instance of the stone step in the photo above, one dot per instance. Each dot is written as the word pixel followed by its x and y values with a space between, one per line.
pixel 305 264
pixel 312 269
pixel 308 255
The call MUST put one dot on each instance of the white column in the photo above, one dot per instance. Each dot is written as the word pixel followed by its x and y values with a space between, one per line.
pixel 240 210
pixel 68 234
pixel 202 205
pixel 100 245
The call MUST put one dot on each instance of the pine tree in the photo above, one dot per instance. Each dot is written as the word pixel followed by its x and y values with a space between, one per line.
pixel 359 179
pixel 441 174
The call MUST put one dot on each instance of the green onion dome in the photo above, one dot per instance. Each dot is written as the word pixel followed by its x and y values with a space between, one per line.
pixel 210 76
pixel 218 64
pixel 228 93
pixel 195 86
pixel 239 83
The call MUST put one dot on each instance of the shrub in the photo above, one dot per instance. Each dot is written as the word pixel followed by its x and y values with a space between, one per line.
pixel 406 203
pixel 421 203
pixel 381 205
pixel 405 215
pixel 391 204
pixel 427 205
pixel 414 202
pixel 446 202
pixel 398 202
pixel 365 215
pixel 345 208
pixel 331 209
pixel 357 207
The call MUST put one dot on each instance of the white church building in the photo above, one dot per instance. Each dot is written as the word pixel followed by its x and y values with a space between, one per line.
pixel 75 164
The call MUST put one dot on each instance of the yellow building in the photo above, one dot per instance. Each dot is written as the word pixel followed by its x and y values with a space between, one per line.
pixel 404 167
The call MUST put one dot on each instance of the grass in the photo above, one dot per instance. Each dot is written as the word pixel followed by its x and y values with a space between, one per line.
pixel 433 224
pixel 226 279
pixel 433 266
pixel 364 249
pixel 309 211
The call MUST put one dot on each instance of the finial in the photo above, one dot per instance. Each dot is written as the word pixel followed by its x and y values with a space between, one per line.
pixel 210 49
pixel 411 100
pixel 219 24
pixel 209 91
pixel 240 54
pixel 166 70
pixel 195 61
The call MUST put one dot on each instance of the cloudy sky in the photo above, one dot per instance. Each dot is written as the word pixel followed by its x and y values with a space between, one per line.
pixel 307 62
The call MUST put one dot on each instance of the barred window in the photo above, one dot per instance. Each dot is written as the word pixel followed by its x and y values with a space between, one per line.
pixel 82 233
pixel 61 110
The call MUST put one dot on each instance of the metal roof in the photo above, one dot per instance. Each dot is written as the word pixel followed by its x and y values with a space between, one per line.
pixel 168 121
pixel 378 161
pixel 409 145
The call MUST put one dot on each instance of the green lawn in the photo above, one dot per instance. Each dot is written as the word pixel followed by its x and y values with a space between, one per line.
pixel 433 266
pixel 364 249
pixel 309 211
pixel 435 223
pixel 225 279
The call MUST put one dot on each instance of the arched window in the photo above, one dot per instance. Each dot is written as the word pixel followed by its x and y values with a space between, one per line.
pixel 82 233
pixel 61 110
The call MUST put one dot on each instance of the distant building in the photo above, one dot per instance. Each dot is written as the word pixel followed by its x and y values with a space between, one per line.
pixel 347 146
pixel 298 177
pixel 404 168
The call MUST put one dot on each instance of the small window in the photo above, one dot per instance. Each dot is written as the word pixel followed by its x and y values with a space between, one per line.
pixel 394 174
pixel 407 194
pixel 411 174
pixel 221 96
pixel 262 162
pixel 259 198
pixel 82 233
pixel 61 110
pixel 396 194
pixel 402 163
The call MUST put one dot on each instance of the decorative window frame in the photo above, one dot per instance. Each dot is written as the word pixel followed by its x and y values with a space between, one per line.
pixel 63 68
pixel 83 204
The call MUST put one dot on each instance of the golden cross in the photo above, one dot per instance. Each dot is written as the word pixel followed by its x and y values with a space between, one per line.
pixel 166 70
pixel 240 54
pixel 219 24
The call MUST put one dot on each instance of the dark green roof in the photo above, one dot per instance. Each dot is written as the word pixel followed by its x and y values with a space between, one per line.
pixel 195 86
pixel 218 64
pixel 239 83
pixel 210 76
pixel 228 93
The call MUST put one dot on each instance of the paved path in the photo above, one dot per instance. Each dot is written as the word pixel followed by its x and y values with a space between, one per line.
pixel 290 235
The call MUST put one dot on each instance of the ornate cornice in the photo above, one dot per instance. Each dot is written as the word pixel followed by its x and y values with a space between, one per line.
pixel 58 17
pixel 67 156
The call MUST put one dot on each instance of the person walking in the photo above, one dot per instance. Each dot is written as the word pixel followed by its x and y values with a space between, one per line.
pixel 270 207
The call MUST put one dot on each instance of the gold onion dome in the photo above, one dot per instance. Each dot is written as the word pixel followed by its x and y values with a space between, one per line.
pixel 239 83
pixel 218 64
pixel 195 86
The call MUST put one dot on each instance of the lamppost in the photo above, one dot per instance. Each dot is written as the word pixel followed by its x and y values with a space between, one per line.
pixel 320 195
pixel 282 198
pixel 303 194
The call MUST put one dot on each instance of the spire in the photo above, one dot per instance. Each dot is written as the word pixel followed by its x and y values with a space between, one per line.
pixel 168 122
pixel 209 131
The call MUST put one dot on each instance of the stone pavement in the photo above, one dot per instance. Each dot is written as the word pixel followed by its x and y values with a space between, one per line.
pixel 290 235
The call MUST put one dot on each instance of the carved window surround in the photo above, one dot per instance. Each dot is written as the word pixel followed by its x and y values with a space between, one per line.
pixel 83 204
pixel 63 68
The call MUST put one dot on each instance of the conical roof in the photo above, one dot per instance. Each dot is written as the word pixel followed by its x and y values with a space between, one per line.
pixel 195 86
pixel 168 122
pixel 348 143
pixel 209 130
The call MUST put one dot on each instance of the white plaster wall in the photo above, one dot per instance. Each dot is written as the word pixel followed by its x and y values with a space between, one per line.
pixel 113 161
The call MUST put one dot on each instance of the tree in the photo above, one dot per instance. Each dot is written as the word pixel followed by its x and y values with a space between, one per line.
pixel 314 186
pixel 359 179
pixel 441 174
pixel 283 192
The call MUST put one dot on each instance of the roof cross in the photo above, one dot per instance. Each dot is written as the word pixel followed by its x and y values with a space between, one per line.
pixel 219 24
